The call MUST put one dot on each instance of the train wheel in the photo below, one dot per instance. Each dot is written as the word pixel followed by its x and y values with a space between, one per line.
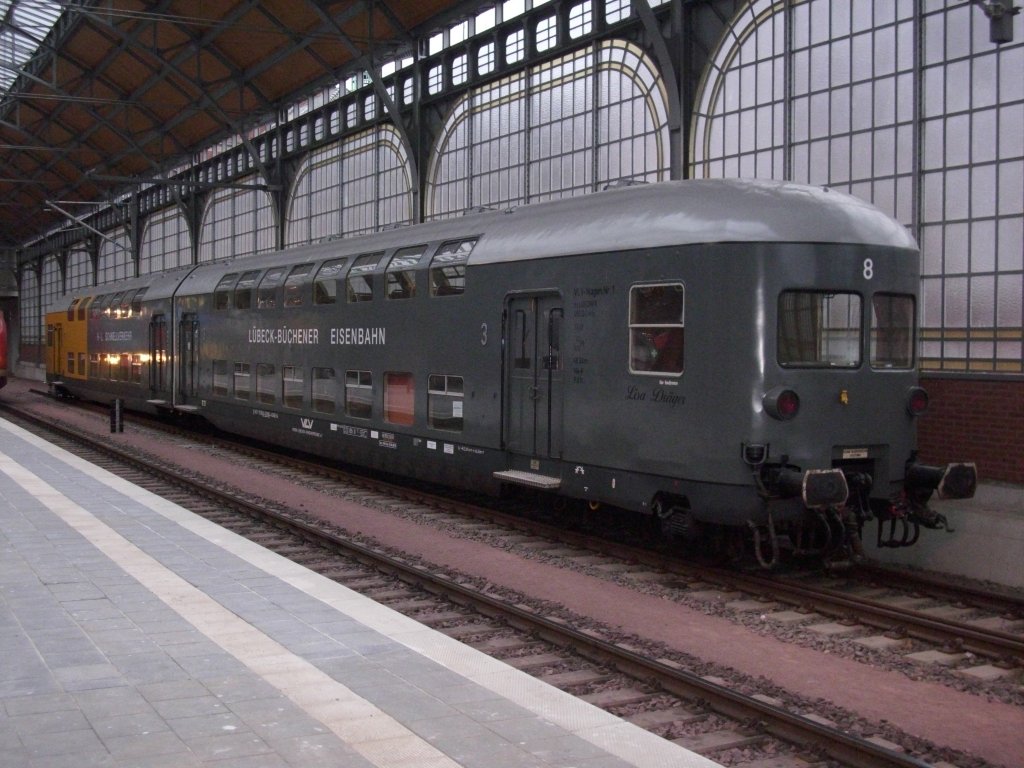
pixel 675 521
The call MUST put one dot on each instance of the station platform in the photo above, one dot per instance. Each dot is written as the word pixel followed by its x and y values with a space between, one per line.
pixel 985 544
pixel 134 633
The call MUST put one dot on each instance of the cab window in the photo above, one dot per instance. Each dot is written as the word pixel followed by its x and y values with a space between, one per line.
pixel 892 331
pixel 819 329
pixel 656 326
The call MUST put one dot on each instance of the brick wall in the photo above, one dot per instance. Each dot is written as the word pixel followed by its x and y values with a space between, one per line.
pixel 975 420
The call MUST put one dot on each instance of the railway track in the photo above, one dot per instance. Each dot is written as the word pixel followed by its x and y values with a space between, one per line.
pixel 705 714
pixel 965 625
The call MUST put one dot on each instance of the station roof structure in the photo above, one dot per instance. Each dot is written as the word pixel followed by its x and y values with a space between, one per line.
pixel 94 93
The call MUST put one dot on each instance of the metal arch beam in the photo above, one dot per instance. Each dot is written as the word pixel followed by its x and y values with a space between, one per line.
pixel 364 60
pixel 670 68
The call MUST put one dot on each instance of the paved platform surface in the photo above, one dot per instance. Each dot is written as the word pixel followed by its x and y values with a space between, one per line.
pixel 986 542
pixel 133 633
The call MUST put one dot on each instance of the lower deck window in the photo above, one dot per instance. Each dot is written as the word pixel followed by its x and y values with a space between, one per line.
pixel 293 383
pixel 266 383
pixel 240 381
pixel 656 315
pixel 359 394
pixel 221 381
pixel 323 390
pixel 399 399
pixel 819 329
pixel 124 368
pixel 444 402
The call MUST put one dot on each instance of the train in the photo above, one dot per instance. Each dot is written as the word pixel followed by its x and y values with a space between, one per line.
pixel 3 350
pixel 733 360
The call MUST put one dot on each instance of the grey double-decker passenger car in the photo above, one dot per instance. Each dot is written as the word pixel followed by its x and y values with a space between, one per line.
pixel 732 356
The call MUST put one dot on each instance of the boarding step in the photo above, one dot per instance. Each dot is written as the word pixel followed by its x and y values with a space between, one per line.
pixel 530 479
pixel 187 408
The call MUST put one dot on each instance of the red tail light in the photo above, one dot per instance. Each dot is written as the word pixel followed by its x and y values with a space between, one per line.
pixel 781 403
pixel 917 401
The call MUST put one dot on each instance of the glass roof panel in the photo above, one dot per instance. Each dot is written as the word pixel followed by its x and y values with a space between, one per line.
pixel 24 24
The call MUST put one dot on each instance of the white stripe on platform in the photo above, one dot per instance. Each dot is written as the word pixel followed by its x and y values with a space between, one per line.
pixel 629 743
pixel 372 733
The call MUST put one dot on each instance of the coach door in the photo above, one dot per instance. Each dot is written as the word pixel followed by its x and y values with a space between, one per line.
pixel 157 354
pixel 188 357
pixel 533 367
pixel 55 342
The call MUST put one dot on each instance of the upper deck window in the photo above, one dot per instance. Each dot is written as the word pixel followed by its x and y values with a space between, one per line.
pixel 818 329
pixel 448 268
pixel 325 287
pixel 83 305
pixel 656 326
pixel 243 290
pixel 222 293
pixel 401 275
pixel 892 331
pixel 266 296
pixel 293 285
pixel 114 308
pixel 125 309
pixel 97 307
pixel 137 301
pixel 72 307
pixel 360 278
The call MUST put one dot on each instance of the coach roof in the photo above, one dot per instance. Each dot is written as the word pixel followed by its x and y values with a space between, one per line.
pixel 620 219
pixel 685 213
